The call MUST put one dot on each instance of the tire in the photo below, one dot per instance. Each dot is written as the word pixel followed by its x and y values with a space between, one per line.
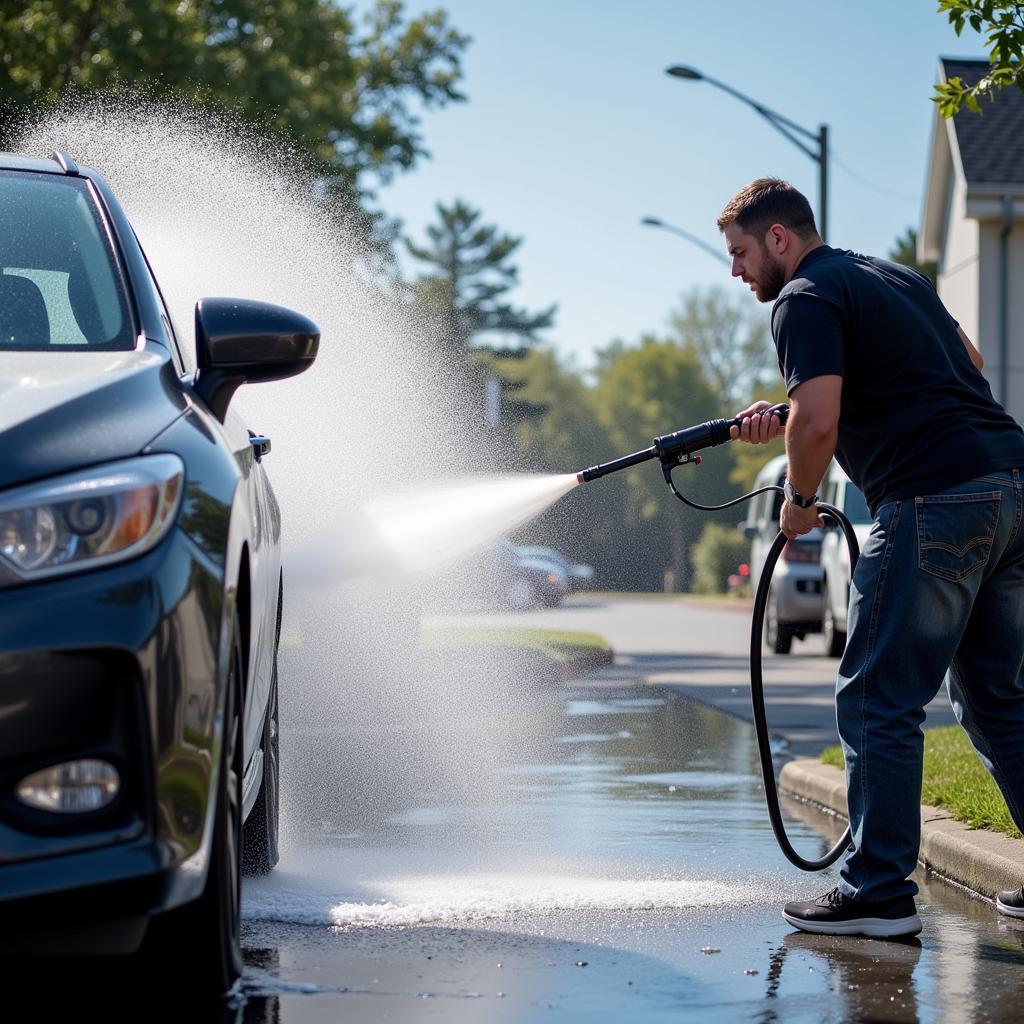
pixel 835 639
pixel 778 636
pixel 201 941
pixel 260 831
pixel 260 851
pixel 521 595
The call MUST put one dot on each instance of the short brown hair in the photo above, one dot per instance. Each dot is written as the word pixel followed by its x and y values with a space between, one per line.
pixel 767 201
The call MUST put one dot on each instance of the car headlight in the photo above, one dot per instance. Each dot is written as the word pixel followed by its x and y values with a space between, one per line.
pixel 91 518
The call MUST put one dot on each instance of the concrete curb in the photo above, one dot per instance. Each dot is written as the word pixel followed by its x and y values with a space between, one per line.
pixel 983 861
pixel 581 664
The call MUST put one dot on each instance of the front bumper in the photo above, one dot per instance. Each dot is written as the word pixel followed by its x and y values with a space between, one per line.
pixel 799 594
pixel 119 663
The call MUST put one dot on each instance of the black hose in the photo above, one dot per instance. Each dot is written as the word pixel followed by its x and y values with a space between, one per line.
pixel 764 746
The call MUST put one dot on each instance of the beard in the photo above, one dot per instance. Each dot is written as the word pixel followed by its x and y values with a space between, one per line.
pixel 773 277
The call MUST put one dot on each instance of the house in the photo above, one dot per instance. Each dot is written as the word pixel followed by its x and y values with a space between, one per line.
pixel 973 226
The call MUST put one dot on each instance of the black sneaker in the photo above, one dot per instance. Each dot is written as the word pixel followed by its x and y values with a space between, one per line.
pixel 836 914
pixel 1011 903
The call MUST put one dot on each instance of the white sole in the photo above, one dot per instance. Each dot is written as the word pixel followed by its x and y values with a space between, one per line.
pixel 1009 911
pixel 874 927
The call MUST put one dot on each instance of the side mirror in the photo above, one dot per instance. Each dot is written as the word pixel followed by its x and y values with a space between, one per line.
pixel 242 341
pixel 749 530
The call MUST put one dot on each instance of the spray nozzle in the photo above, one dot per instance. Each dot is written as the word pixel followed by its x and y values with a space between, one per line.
pixel 673 449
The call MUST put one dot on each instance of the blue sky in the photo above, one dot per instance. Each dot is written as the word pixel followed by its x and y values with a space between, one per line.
pixel 572 132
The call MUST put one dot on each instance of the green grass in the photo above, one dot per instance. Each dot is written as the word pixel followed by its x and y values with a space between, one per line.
pixel 658 595
pixel 955 779
pixel 557 645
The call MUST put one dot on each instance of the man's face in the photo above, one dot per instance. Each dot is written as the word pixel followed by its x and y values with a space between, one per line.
pixel 755 263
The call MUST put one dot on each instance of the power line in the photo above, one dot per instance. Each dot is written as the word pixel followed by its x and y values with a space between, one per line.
pixel 892 193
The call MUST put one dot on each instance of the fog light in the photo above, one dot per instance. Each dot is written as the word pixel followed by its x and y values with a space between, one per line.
pixel 75 787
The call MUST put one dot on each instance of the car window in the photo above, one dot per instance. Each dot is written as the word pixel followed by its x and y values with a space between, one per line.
pixel 60 287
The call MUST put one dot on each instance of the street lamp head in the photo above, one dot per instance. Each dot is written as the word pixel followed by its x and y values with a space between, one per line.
pixel 680 71
pixel 651 222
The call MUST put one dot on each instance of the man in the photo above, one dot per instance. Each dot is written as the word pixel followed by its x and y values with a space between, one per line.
pixel 880 375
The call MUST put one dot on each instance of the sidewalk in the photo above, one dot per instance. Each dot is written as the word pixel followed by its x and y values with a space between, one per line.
pixel 978 859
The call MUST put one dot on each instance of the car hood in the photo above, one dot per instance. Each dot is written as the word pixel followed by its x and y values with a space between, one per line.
pixel 62 410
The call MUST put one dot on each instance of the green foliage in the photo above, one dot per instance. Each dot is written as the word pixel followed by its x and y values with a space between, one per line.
pixel 641 392
pixel 731 339
pixel 566 433
pixel 748 459
pixel 716 556
pixel 341 87
pixel 954 778
pixel 469 273
pixel 904 250
pixel 1002 23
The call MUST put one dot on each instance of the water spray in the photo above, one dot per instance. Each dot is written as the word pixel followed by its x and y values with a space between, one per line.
pixel 679 449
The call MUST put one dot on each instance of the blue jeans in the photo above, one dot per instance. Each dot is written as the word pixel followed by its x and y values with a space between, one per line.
pixel 938 592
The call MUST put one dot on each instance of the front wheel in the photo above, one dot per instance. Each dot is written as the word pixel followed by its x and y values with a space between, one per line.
pixel 521 595
pixel 778 636
pixel 260 832
pixel 202 939
pixel 835 639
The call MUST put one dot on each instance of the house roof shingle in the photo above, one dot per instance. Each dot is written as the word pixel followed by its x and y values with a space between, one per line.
pixel 991 145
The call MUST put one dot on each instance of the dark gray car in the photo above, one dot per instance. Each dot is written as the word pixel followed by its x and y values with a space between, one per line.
pixel 140 590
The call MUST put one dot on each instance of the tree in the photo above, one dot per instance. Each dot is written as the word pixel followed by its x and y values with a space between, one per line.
pixel 731 341
pixel 641 392
pixel 1002 21
pixel 470 274
pixel 904 250
pixel 748 459
pixel 342 90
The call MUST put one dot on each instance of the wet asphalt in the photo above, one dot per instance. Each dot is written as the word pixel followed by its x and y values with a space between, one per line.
pixel 466 840
pixel 476 843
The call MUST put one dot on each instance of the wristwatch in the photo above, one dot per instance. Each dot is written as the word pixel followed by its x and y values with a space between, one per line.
pixel 794 497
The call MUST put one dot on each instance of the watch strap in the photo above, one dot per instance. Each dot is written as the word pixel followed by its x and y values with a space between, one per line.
pixel 794 497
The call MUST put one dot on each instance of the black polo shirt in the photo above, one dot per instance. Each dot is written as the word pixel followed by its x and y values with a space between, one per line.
pixel 917 417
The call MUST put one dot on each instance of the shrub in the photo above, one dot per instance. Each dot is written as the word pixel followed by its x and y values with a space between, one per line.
pixel 716 557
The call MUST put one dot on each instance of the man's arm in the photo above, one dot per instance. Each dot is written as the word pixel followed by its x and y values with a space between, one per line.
pixel 811 433
pixel 971 350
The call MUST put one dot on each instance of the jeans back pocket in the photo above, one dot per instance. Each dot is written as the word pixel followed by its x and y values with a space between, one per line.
pixel 955 532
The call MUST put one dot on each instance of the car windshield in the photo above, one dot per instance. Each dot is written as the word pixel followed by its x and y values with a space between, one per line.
pixel 856 508
pixel 60 288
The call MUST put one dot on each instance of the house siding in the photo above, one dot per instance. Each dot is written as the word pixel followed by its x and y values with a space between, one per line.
pixel 958 267
pixel 989 290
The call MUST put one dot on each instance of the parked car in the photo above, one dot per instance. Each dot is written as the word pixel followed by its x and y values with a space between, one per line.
pixel 497 576
pixel 577 573
pixel 795 599
pixel 841 492
pixel 140 591
pixel 531 580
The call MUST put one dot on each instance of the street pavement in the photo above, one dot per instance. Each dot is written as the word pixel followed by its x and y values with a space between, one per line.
pixel 702 649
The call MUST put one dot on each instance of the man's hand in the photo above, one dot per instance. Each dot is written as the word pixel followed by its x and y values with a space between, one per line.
pixel 757 428
pixel 794 521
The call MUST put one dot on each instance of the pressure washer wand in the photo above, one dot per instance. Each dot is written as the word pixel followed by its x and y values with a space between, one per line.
pixel 676 447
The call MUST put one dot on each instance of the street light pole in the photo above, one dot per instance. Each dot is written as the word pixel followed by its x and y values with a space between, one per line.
pixel 781 124
pixel 654 222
